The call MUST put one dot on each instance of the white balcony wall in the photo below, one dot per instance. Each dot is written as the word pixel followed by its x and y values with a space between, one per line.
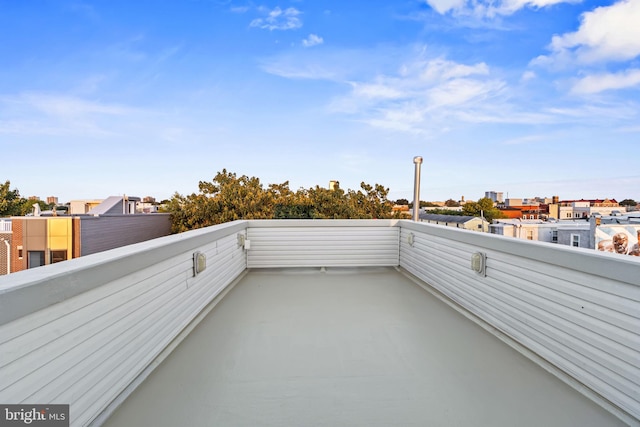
pixel 82 331
pixel 322 243
pixel 575 308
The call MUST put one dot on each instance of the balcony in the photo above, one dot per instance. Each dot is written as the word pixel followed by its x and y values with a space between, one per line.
pixel 379 322
pixel 5 226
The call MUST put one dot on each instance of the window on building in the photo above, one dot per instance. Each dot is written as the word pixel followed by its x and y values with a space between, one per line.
pixel 35 259
pixel 554 236
pixel 57 256
pixel 529 234
pixel 575 240
pixel 568 214
pixel 576 215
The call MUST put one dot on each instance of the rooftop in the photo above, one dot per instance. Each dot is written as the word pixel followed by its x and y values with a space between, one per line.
pixel 348 347
pixel 448 218
pixel 328 323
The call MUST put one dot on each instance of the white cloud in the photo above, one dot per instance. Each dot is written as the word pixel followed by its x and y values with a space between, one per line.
pixel 312 40
pixel 527 139
pixel 489 8
pixel 424 95
pixel 239 9
pixel 376 91
pixel 609 81
pixel 528 75
pixel 419 93
pixel 50 114
pixel 295 71
pixel 442 69
pixel 67 106
pixel 508 7
pixel 444 6
pixel 608 33
pixel 278 19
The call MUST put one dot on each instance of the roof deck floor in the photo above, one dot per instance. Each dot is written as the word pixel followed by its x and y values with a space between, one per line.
pixel 348 348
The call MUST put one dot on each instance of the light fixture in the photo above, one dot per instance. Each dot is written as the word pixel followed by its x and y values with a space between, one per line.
pixel 243 242
pixel 479 263
pixel 199 263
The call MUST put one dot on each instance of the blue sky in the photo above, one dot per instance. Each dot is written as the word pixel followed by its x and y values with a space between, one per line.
pixel 527 97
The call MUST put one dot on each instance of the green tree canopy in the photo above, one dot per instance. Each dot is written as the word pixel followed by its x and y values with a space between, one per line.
pixel 628 202
pixel 444 211
pixel 424 204
pixel 483 207
pixel 229 197
pixel 10 201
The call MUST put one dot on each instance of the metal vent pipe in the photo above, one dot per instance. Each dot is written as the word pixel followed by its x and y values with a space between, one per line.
pixel 416 188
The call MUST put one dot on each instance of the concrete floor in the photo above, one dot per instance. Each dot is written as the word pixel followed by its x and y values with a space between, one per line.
pixel 347 348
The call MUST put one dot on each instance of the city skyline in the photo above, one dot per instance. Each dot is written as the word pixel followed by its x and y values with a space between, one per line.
pixel 530 98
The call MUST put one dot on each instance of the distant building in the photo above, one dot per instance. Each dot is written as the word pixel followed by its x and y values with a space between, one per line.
pixel 52 200
pixel 615 233
pixel 97 225
pixel 573 209
pixel 38 241
pixel 529 209
pixel 530 229
pixel 473 223
pixel 402 210
pixel 5 246
pixel 334 185
pixel 426 209
pixel 80 207
pixel 114 205
pixel 496 196
pixel 574 233
pixel 146 206
pixel 570 233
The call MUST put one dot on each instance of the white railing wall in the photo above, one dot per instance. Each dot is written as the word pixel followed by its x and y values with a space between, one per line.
pixel 576 308
pixel 80 332
pixel 322 243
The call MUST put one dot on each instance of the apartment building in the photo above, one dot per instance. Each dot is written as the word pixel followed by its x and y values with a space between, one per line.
pixel 573 209
pixel 43 240
pixel 472 223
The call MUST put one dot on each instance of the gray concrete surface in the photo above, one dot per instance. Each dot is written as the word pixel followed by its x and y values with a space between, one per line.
pixel 348 348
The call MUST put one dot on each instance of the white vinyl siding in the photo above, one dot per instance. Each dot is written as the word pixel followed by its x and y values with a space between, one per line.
pixel 541 296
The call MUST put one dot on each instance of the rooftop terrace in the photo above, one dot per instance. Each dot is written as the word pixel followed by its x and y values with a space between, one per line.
pixel 328 323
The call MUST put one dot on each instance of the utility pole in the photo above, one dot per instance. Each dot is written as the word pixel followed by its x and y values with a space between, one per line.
pixel 416 188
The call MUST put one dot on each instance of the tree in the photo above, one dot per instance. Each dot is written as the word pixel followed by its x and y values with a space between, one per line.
pixel 451 203
pixel 428 204
pixel 229 197
pixel 10 201
pixel 445 212
pixel 226 198
pixel 27 206
pixel 483 207
pixel 628 202
pixel 402 202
